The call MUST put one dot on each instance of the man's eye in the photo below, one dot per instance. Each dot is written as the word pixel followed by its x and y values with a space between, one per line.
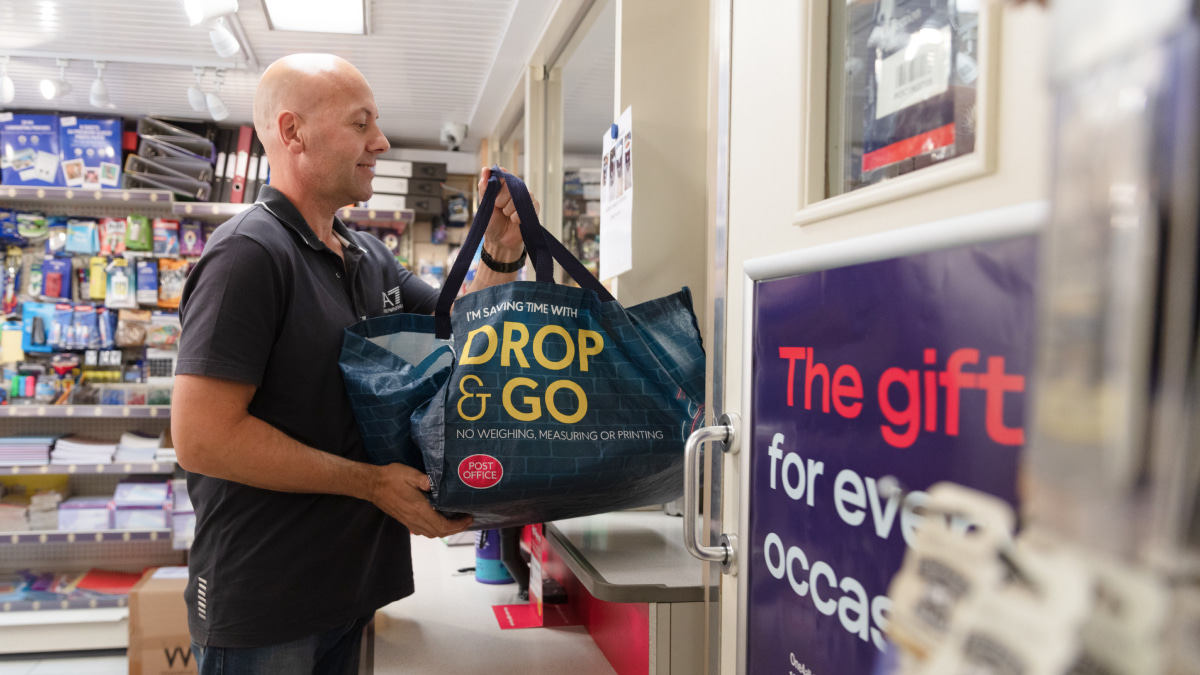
pixel 360 125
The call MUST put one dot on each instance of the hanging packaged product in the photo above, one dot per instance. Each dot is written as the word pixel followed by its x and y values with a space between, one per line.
pixel 91 152
pixel 56 235
pixel 62 327
pixel 82 237
pixel 121 286
pixel 164 330
pixel 14 260
pixel 106 325
pixel 147 281
pixel 32 225
pixel 171 275
pixel 946 567
pixel 138 234
pixel 166 236
pixel 132 326
pixel 191 238
pixel 86 334
pixel 112 240
pixel 97 278
pixel 56 278
pixel 8 229
pixel 37 318
pixel 29 144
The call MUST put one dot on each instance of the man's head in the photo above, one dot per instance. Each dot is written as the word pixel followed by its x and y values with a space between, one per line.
pixel 316 117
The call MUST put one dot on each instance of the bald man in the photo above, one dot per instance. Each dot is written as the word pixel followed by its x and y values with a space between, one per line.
pixel 298 539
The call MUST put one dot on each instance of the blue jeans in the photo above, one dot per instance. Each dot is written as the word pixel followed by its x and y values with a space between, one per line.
pixel 333 652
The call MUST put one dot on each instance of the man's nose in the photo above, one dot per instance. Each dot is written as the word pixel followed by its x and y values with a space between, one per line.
pixel 380 143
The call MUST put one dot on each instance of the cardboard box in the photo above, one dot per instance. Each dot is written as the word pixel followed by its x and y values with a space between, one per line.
pixel 159 643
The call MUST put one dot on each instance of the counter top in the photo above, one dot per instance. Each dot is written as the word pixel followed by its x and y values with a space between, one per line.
pixel 447 626
pixel 629 556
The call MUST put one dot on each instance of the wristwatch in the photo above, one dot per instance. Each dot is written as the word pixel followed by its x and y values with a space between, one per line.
pixel 502 267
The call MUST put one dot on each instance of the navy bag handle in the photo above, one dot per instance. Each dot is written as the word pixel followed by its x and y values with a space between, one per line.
pixel 543 248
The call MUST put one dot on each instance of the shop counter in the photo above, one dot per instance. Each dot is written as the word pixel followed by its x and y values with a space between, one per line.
pixel 633 585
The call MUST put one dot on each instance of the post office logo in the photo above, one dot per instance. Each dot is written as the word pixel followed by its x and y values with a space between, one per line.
pixel 480 471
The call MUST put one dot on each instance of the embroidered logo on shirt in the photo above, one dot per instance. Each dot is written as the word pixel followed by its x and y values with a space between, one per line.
pixel 391 301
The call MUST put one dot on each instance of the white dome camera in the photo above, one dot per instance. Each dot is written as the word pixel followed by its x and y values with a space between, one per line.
pixel 453 134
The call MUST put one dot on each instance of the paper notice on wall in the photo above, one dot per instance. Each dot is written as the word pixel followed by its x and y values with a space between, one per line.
pixel 616 199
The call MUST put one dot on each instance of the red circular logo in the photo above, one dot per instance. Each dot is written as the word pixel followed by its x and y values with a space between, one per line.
pixel 480 471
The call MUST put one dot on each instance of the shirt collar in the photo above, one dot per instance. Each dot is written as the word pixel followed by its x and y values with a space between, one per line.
pixel 285 212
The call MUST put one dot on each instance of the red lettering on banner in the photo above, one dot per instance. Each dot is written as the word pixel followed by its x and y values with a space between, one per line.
pixel 921 389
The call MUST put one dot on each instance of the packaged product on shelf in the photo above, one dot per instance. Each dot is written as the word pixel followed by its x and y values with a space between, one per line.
pixel 82 237
pixel 36 320
pixel 32 224
pixel 56 279
pixel 43 510
pixel 121 287
pixel 14 513
pixel 91 152
pixel 191 238
pixel 166 236
pixel 147 281
pixel 112 240
pixel 31 151
pixel 60 327
pixel 8 229
pixel 13 262
pixel 142 502
pixel 87 328
pixel 171 275
pixel 80 514
pixel 139 236
pixel 132 326
pixel 97 278
pixel 56 235
pixel 106 324
pixel 164 330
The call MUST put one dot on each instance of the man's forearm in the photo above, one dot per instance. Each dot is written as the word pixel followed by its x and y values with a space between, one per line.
pixel 255 453
pixel 486 276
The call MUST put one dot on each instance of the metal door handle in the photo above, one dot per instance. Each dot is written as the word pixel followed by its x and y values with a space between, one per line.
pixel 726 550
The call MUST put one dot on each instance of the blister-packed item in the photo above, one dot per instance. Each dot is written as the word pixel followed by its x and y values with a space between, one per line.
pixel 166 236
pixel 56 279
pixel 87 328
pixel 191 238
pixel 171 276
pixel 32 224
pixel 164 330
pixel 121 285
pixel 106 325
pixel 56 236
pixel 132 326
pixel 147 281
pixel 61 327
pixel 139 234
pixel 37 319
pixel 112 241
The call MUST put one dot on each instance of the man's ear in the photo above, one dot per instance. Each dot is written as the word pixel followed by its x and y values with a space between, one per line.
pixel 290 135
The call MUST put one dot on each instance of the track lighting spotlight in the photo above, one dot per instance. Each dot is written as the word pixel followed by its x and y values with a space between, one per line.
pixel 216 107
pixel 211 14
pixel 8 91
pixel 56 88
pixel 98 96
pixel 195 93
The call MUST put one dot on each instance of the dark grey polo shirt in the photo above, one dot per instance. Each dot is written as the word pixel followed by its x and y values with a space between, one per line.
pixel 266 305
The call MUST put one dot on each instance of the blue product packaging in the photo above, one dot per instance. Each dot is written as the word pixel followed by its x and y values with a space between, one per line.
pixel 147 281
pixel 91 152
pixel 37 319
pixel 87 328
pixel 82 237
pixel 8 229
pixel 56 236
pixel 56 278
pixel 29 150
pixel 62 331
pixel 191 238
pixel 106 324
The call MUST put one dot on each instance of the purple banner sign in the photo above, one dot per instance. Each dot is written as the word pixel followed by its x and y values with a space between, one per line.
pixel 914 368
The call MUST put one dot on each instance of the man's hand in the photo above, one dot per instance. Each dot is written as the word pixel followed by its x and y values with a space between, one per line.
pixel 503 236
pixel 400 491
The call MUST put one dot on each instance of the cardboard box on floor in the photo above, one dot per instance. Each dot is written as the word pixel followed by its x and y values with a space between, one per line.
pixel 158 632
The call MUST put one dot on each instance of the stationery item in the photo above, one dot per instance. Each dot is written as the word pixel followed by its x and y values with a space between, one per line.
pixel 171 275
pixel 191 238
pixel 91 153
pixel 81 450
pixel 147 281
pixel 82 237
pixel 180 139
pixel 114 583
pixel 166 236
pixel 179 185
pixel 138 234
pixel 30 148
pixel 82 514
pixel 237 195
pixel 121 286
pixel 169 157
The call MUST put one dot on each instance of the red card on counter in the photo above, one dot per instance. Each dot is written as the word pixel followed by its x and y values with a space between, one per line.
pixel 517 616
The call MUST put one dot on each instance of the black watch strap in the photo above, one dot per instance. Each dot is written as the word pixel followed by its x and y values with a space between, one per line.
pixel 502 267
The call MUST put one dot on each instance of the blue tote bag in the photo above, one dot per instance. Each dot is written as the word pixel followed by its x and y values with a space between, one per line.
pixel 531 401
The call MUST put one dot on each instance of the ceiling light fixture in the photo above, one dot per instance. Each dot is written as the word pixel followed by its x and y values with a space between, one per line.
pixel 347 17
pixel 98 96
pixel 56 88
pixel 216 107
pixel 195 93
pixel 8 92
pixel 211 14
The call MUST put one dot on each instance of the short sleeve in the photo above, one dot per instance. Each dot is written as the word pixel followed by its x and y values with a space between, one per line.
pixel 230 312
pixel 419 297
